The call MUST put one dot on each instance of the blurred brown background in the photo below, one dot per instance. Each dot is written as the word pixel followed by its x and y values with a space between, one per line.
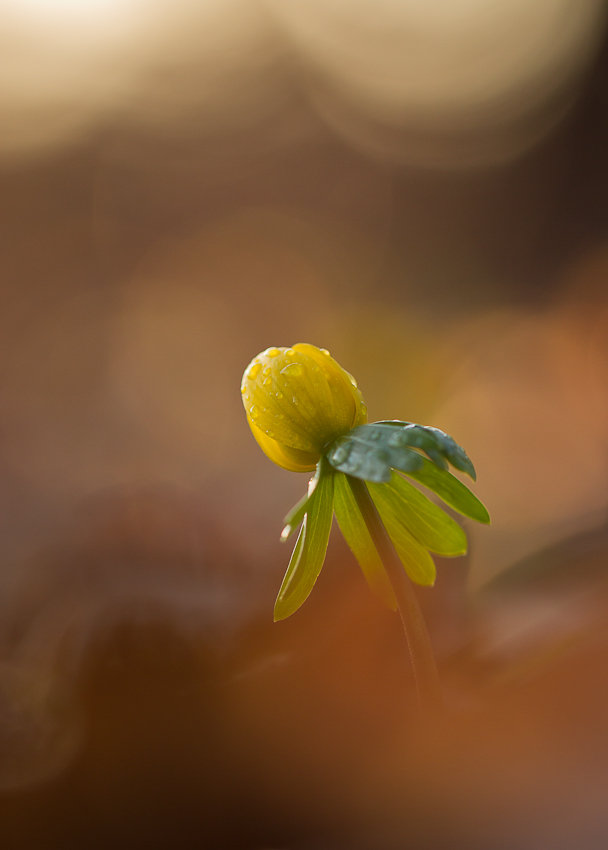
pixel 420 187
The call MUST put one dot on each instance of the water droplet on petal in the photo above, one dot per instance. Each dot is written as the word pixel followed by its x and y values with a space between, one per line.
pixel 267 382
pixel 290 353
pixel 254 371
pixel 279 394
pixel 294 370
pixel 316 368
pixel 270 434
pixel 325 352
pixel 255 411
pixel 243 390
pixel 267 371
pixel 397 440
pixel 375 435
pixel 272 352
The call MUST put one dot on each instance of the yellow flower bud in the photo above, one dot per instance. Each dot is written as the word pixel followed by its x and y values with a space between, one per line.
pixel 298 400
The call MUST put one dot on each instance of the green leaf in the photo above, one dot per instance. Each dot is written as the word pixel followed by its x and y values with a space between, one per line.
pixel 438 445
pixel 451 490
pixel 366 452
pixel 309 553
pixel 427 522
pixel 294 561
pixel 295 517
pixel 418 564
pixel 299 510
pixel 354 530
pixel 370 451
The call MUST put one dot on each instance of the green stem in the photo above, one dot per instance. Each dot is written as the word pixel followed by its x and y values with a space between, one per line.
pixel 421 652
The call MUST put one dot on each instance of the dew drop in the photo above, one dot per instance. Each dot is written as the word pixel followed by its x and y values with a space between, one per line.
pixel 375 435
pixel 267 382
pixel 279 416
pixel 243 390
pixel 272 352
pixel 363 411
pixel 396 441
pixel 294 370
pixel 325 352
pixel 254 371
pixel 279 394
pixel 341 453
pixel 267 371
pixel 270 434
pixel 290 353
pixel 316 368
pixel 255 411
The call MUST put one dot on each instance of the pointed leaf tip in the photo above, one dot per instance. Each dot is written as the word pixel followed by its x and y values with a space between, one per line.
pixel 434 442
pixel 452 491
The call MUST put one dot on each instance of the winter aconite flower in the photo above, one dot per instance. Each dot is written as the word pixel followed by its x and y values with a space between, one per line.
pixel 298 400
pixel 307 413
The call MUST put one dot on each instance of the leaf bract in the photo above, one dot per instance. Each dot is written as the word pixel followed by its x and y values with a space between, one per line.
pixel 426 521
pixel 356 534
pixel 451 490
pixel 311 546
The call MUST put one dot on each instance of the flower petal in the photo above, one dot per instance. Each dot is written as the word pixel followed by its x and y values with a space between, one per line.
pixel 300 398
pixel 271 405
pixel 291 459
pixel 344 385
